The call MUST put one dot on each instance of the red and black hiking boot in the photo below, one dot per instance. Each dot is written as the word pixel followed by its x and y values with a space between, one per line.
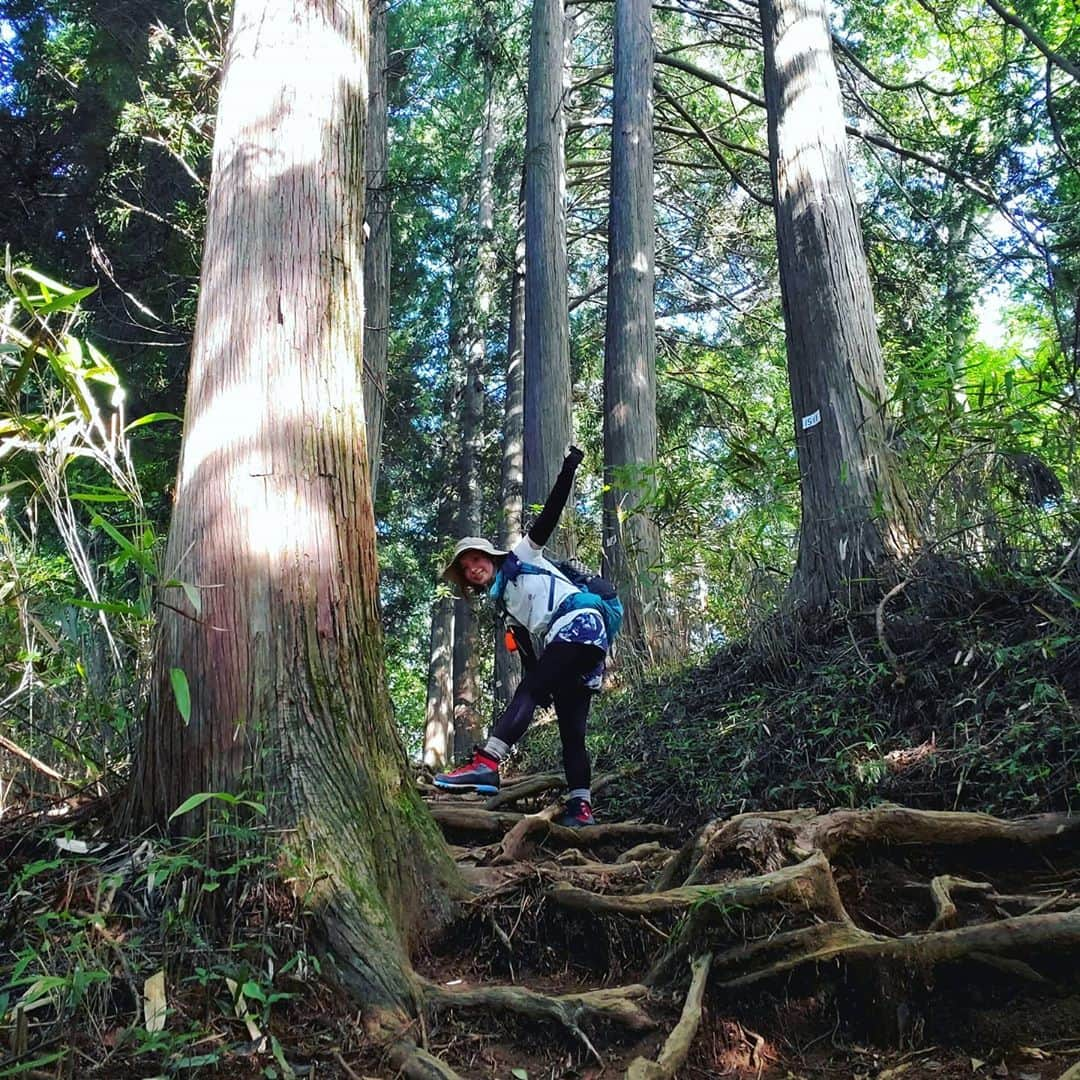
pixel 480 775
pixel 577 813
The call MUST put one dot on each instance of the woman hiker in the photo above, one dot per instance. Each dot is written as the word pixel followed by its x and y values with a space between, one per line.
pixel 563 648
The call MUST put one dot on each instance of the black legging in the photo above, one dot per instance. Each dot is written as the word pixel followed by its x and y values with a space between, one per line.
pixel 557 675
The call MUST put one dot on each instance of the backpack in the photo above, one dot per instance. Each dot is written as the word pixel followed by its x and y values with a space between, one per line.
pixel 594 591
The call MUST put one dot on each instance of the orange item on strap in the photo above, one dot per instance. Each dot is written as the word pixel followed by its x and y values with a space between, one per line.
pixel 510 641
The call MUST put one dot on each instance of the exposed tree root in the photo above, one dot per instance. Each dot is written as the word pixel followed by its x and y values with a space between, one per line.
pixel 612 1005
pixel 841 830
pixel 809 884
pixel 784 953
pixel 680 1040
pixel 392 1032
pixel 756 899
pixel 528 788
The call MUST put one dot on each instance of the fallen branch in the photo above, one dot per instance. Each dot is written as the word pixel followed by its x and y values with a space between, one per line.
pixel 35 763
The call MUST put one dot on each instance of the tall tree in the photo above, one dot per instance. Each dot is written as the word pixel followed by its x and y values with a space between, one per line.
pixel 508 669
pixel 856 513
pixel 273 682
pixel 547 330
pixel 377 247
pixel 468 720
pixel 631 539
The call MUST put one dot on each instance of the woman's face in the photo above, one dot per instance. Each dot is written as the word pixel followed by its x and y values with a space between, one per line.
pixel 476 567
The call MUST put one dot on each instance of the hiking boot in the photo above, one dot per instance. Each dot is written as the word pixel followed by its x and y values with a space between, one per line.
pixel 577 813
pixel 480 775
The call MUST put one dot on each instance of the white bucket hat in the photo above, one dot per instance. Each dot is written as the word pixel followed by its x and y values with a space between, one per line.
pixel 452 572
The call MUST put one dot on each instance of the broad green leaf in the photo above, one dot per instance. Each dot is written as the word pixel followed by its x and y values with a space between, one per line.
pixel 66 301
pixel 151 418
pixel 182 692
pixel 1069 595
pixel 199 798
pixel 125 545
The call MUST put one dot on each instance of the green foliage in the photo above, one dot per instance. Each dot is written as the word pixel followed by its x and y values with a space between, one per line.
pixel 78 549
pixel 97 922
pixel 970 708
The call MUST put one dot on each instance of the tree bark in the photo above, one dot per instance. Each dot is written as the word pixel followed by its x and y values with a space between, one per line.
pixel 439 709
pixel 377 248
pixel 547 329
pixel 508 667
pixel 468 721
pixel 631 539
pixel 439 715
pixel 273 523
pixel 856 514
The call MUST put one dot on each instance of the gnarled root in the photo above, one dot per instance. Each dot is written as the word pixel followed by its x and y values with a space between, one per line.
pixel 681 1038
pixel 613 1005
pixel 809 884
pixel 783 953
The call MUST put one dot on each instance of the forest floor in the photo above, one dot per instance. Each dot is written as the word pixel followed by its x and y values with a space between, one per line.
pixel 796 875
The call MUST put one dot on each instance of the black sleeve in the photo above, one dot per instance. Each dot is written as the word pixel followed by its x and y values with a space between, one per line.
pixel 541 529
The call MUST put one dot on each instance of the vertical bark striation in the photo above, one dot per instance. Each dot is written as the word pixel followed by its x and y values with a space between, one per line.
pixel 377 249
pixel 507 667
pixel 468 722
pixel 855 512
pixel 631 540
pixel 547 333
pixel 273 519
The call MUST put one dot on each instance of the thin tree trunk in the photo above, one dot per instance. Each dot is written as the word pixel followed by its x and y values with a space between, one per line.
pixel 507 667
pixel 439 713
pixel 468 720
pixel 547 334
pixel 631 539
pixel 282 658
pixel 377 249
pixel 856 514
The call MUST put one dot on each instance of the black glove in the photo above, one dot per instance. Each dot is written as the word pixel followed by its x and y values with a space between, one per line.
pixel 574 457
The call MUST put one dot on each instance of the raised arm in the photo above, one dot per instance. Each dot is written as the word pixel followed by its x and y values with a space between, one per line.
pixel 541 529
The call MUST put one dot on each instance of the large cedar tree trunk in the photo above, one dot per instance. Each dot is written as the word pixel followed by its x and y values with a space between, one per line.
pixel 273 521
pixel 631 539
pixel 377 248
pixel 547 329
pixel 856 514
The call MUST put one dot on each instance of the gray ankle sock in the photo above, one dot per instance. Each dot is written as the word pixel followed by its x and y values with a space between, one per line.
pixel 496 748
pixel 580 793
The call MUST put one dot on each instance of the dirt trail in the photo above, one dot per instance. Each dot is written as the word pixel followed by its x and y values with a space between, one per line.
pixel 874 943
